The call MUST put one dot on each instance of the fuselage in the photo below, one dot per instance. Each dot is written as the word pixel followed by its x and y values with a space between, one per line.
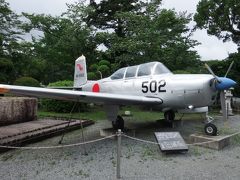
pixel 177 91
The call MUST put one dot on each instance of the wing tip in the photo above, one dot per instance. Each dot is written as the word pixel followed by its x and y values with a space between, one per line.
pixel 3 90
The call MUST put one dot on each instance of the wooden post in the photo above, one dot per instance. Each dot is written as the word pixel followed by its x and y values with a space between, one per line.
pixel 119 133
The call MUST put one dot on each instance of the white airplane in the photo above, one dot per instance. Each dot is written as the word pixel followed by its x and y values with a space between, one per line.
pixel 150 84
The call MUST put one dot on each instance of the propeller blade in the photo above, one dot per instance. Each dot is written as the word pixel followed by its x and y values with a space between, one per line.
pixel 223 105
pixel 210 70
pixel 229 68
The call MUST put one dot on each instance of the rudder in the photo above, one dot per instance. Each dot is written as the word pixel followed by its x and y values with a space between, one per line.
pixel 80 73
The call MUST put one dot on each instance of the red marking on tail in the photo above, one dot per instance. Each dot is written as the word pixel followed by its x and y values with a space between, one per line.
pixel 80 67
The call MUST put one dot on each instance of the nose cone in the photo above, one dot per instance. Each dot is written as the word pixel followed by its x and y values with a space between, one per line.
pixel 225 83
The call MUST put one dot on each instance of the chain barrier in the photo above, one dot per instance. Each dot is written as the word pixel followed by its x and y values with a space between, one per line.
pixel 60 146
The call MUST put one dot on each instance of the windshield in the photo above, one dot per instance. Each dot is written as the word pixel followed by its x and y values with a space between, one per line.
pixel 118 74
pixel 160 69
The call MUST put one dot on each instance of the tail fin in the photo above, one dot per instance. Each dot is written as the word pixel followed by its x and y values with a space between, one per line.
pixel 80 73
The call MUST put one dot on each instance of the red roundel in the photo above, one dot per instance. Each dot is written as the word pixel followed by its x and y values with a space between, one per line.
pixel 96 88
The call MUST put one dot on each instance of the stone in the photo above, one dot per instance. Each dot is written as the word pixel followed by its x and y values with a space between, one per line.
pixel 215 142
pixel 17 109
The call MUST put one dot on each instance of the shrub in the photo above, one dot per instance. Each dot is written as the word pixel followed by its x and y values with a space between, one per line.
pixel 92 76
pixel 104 69
pixel 27 81
pixel 59 105
pixel 181 72
pixel 65 83
pixel 93 67
pixel 104 62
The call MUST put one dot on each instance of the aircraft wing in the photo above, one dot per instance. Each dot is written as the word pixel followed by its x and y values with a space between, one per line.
pixel 80 96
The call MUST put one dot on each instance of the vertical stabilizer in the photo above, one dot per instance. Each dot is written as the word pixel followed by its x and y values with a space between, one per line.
pixel 80 73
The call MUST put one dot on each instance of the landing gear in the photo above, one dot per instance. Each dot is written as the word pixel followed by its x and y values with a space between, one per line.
pixel 210 129
pixel 169 116
pixel 118 124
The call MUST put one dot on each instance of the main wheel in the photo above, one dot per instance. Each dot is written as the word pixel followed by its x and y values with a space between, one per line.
pixel 169 116
pixel 210 129
pixel 118 124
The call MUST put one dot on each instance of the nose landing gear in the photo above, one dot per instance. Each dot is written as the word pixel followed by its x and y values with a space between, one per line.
pixel 209 128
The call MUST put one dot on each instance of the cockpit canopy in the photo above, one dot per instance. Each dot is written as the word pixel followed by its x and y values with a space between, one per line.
pixel 147 69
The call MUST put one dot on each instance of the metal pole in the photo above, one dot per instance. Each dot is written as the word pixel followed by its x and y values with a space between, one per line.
pixel 119 133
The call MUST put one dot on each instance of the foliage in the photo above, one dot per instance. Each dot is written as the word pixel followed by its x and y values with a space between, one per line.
pixel 156 35
pixel 104 14
pixel 220 17
pixel 92 76
pixel 99 70
pixel 235 73
pixel 104 62
pixel 59 105
pixel 27 81
pixel 6 68
pixel 9 33
pixel 63 41
pixel 65 83
pixel 181 72
pixel 105 70
pixel 93 67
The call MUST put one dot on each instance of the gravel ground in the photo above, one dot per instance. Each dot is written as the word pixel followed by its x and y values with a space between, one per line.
pixel 139 161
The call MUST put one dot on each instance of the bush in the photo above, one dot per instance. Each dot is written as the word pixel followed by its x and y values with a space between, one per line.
pixel 93 68
pixel 181 72
pixel 104 62
pixel 59 105
pixel 92 76
pixel 65 83
pixel 27 81
pixel 104 69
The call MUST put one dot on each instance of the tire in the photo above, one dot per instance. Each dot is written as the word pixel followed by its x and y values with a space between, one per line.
pixel 118 124
pixel 169 116
pixel 210 129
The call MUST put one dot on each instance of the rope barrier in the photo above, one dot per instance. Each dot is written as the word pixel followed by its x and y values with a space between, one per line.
pixel 60 146
pixel 140 140
pixel 108 137
pixel 193 144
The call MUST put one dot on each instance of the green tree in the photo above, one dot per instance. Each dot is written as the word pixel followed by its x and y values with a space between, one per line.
pixel 221 18
pixel 155 35
pixel 62 42
pixel 103 15
pixel 9 31
pixel 6 68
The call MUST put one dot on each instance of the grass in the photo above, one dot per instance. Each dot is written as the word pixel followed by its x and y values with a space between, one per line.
pixel 97 113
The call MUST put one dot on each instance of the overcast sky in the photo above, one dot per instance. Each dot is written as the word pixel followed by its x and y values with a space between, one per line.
pixel 210 48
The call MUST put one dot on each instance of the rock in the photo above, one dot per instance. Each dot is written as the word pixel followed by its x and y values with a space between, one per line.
pixel 17 110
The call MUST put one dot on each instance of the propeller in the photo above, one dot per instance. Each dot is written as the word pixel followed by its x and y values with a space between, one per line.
pixel 221 84
pixel 229 68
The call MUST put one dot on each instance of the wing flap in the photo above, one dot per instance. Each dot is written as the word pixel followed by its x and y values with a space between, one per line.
pixel 80 96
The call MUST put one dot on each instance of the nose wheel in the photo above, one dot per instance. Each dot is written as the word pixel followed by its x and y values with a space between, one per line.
pixel 118 124
pixel 210 129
